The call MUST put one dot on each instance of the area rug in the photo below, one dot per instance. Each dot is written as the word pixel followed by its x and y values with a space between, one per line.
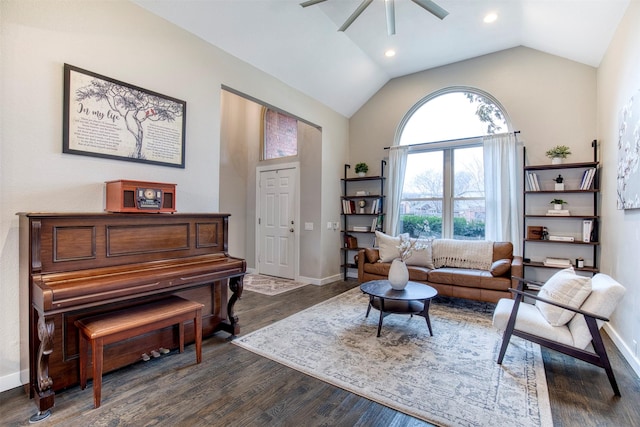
pixel 269 285
pixel 450 379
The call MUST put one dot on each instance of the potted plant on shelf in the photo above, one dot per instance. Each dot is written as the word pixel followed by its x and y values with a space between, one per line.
pixel 558 153
pixel 557 204
pixel 362 169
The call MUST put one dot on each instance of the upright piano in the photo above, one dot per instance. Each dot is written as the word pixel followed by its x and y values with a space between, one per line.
pixel 79 265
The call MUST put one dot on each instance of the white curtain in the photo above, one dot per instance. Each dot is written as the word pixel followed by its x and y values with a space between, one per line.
pixel 502 166
pixel 397 167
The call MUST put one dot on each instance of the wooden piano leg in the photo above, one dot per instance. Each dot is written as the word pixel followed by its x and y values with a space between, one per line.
pixel 236 286
pixel 42 393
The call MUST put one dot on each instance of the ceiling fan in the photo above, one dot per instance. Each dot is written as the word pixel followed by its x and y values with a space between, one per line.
pixel 428 5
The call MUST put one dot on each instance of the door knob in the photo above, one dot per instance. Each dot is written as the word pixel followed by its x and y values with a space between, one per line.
pixel 291 230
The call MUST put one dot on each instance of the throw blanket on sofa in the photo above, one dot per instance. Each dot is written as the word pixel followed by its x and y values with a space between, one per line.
pixel 476 254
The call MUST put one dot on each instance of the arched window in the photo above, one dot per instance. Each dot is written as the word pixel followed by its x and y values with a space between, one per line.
pixel 443 195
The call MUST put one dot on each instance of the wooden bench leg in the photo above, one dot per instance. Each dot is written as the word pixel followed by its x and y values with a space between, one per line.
pixel 84 354
pixel 197 324
pixel 181 336
pixel 97 347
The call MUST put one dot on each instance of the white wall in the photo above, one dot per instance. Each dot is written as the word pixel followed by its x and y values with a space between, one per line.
pixel 120 40
pixel 618 81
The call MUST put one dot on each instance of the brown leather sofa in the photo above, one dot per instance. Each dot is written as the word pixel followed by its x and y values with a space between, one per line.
pixel 482 285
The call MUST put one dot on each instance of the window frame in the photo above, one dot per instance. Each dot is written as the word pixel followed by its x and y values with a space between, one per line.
pixel 265 134
pixel 448 147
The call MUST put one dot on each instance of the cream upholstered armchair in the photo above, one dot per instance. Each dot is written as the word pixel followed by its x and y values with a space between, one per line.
pixel 568 313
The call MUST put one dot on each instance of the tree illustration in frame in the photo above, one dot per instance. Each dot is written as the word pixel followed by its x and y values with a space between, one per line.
pixel 107 118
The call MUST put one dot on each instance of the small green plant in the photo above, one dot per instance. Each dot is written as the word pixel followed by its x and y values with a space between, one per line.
pixel 561 151
pixel 558 202
pixel 362 167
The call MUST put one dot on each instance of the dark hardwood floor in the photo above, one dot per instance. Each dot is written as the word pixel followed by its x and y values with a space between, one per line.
pixel 234 387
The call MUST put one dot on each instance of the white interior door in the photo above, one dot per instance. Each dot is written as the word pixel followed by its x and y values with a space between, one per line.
pixel 276 223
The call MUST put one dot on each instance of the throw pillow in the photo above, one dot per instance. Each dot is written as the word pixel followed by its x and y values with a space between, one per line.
pixel 372 255
pixel 500 267
pixel 387 246
pixel 564 287
pixel 422 257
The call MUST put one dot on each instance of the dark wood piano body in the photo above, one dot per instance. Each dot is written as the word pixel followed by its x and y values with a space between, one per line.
pixel 79 265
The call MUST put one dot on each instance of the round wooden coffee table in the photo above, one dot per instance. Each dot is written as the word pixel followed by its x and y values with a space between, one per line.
pixel 414 299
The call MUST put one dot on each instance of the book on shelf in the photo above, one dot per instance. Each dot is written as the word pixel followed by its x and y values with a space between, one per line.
pixel 362 193
pixel 348 206
pixel 374 224
pixel 375 206
pixel 587 230
pixel 587 178
pixel 562 238
pixel 534 183
pixel 558 212
pixel 360 228
pixel 557 262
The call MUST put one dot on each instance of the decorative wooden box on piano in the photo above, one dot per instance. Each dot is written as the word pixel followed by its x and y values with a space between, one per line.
pixel 78 265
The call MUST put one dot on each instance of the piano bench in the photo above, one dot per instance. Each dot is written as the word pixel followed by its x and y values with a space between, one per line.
pixel 130 322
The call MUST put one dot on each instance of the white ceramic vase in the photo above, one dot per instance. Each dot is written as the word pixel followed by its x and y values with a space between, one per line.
pixel 362 174
pixel 556 160
pixel 398 274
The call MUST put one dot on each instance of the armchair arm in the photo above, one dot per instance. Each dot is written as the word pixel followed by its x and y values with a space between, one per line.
pixel 517 270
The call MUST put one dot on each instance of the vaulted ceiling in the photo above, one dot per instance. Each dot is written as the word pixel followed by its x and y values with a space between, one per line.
pixel 303 48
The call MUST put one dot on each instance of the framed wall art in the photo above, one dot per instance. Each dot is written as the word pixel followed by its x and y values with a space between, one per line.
pixel 628 181
pixel 107 118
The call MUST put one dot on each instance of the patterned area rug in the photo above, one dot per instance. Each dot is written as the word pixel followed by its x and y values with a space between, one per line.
pixel 450 379
pixel 269 285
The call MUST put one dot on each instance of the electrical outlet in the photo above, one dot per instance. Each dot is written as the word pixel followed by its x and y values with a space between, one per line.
pixel 308 226
pixel 336 225
pixel 329 225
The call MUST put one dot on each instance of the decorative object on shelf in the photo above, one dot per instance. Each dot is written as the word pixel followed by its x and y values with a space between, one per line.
pixel 580 262
pixel 558 153
pixel 350 242
pixel 534 232
pixel 361 204
pixel 559 183
pixel 557 204
pixel 362 169
pixel 545 234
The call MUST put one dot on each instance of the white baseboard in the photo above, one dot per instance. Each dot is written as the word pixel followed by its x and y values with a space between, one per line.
pixel 319 282
pixel 10 381
pixel 631 358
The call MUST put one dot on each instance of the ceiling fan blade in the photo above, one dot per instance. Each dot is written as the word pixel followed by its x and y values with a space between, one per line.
pixel 310 2
pixel 431 7
pixel 355 15
pixel 391 16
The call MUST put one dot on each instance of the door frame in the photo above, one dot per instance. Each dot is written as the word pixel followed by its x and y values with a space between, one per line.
pixel 296 201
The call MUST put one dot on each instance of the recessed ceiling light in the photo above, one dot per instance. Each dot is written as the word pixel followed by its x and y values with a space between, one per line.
pixel 389 53
pixel 490 17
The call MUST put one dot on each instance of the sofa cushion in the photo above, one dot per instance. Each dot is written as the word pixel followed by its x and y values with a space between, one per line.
pixel 500 267
pixel 468 277
pixel 371 255
pixel 564 287
pixel 502 250
pixel 387 247
pixel 416 274
pixel 421 257
pixel 476 254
